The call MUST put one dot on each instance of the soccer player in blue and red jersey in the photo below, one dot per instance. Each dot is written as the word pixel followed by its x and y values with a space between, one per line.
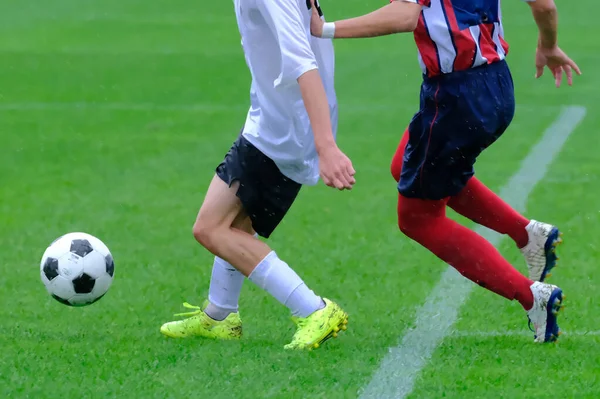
pixel 467 102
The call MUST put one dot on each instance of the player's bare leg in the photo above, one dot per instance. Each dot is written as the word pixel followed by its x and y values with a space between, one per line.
pixel 226 281
pixel 214 229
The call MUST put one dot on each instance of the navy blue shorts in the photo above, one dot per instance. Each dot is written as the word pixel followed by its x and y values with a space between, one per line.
pixel 461 115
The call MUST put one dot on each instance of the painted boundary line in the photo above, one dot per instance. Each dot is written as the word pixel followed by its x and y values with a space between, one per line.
pixel 522 333
pixel 200 107
pixel 399 369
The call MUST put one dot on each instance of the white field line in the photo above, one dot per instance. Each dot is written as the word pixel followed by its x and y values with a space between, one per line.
pixel 521 333
pixel 202 107
pixel 396 375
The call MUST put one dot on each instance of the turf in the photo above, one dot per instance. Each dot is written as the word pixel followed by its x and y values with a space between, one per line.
pixel 113 116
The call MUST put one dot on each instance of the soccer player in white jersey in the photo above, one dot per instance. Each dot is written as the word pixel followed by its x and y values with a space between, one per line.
pixel 288 140
pixel 467 102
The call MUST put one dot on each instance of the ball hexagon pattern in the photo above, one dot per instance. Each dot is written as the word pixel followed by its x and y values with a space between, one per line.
pixel 77 269
pixel 81 247
pixel 50 268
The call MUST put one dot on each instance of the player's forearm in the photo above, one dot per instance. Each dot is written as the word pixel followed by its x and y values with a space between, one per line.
pixel 317 107
pixel 396 17
pixel 546 18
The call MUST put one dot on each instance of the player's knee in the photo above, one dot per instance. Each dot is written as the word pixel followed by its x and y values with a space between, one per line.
pixel 204 233
pixel 404 224
pixel 410 219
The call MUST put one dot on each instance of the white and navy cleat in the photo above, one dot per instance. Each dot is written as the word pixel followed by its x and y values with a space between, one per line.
pixel 540 252
pixel 547 303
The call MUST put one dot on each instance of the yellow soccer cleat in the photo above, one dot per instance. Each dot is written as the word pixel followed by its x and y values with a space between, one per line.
pixel 318 327
pixel 198 324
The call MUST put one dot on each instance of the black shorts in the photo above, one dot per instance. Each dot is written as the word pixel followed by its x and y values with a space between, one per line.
pixel 264 191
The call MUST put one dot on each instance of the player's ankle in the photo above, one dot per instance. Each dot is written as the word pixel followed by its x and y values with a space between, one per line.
pixel 217 313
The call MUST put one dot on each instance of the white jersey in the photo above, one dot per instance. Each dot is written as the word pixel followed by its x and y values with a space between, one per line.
pixel 279 49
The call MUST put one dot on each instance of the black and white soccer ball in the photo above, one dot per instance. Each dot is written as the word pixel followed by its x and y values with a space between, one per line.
pixel 77 269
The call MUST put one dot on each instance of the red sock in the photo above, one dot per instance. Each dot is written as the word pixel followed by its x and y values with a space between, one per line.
pixel 398 157
pixel 473 256
pixel 483 206
pixel 478 203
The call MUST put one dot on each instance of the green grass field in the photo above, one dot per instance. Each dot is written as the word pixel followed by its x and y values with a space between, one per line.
pixel 113 116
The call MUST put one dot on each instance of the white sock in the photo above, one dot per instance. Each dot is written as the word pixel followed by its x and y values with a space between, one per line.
pixel 278 279
pixel 225 288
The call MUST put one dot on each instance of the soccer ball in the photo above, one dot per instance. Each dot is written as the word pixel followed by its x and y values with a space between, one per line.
pixel 77 269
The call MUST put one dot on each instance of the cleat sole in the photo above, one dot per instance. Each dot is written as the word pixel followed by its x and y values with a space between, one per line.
pixel 554 240
pixel 557 306
pixel 333 333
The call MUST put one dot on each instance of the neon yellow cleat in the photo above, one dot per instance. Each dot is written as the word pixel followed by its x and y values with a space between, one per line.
pixel 318 327
pixel 198 324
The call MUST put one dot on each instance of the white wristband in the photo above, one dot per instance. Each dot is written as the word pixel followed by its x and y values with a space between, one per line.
pixel 328 30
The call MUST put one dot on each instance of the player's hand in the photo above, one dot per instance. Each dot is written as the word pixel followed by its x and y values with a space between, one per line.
pixel 557 62
pixel 316 23
pixel 336 169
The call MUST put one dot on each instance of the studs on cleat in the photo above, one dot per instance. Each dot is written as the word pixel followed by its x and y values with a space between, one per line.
pixel 336 329
pixel 344 325
pixel 334 335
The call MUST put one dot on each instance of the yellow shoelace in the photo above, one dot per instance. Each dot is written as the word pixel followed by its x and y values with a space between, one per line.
pixel 196 312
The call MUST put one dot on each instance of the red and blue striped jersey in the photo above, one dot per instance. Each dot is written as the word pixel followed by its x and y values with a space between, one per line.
pixel 454 35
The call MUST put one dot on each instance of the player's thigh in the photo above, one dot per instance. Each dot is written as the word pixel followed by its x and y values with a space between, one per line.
pixel 243 222
pixel 264 193
pixel 221 206
pixel 274 196
pixel 433 165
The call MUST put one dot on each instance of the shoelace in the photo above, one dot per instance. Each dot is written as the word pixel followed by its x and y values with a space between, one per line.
pixel 196 312
pixel 529 325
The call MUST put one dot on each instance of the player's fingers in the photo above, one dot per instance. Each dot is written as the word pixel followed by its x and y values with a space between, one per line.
pixel 344 179
pixel 350 169
pixel 326 179
pixel 558 74
pixel 569 73
pixel 335 179
pixel 573 65
pixel 337 183
pixel 350 180
pixel 539 71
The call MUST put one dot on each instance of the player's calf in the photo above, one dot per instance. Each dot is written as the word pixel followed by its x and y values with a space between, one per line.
pixel 214 228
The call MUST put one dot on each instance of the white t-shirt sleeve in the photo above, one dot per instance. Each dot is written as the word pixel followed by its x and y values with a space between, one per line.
pixel 284 17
